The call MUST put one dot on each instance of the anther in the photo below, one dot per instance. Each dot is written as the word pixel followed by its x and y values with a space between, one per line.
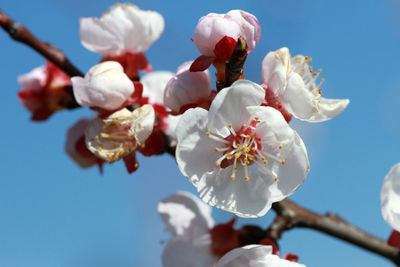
pixel 235 169
pixel 230 125
pixel 247 178
pixel 208 133
pixel 233 177
pixel 237 155
pixel 217 163
pixel 276 179
pixel 283 161
pixel 216 149
pixel 265 161
pixel 280 146
pixel 136 165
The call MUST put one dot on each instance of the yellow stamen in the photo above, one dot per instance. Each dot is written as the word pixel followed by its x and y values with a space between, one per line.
pixel 136 165
pixel 232 177
pixel 216 149
pixel 217 164
pixel 208 133
pixel 230 125
pixel 280 146
pixel 276 179
pixel 283 161
pixel 247 178
pixel 237 155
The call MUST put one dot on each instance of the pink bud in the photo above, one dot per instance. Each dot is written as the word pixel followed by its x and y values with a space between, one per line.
pixel 213 27
pixel 187 88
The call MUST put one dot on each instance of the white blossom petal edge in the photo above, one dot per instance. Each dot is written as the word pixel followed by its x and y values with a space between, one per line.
pixel 105 86
pixel 254 256
pixel 390 197
pixel 189 220
pixel 294 83
pixel 124 28
pixel 119 134
pixel 241 157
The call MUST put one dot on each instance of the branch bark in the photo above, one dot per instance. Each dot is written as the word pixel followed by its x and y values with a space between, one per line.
pixel 21 34
pixel 291 215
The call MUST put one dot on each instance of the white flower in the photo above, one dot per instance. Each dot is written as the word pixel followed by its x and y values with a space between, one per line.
pixel 254 256
pixel 241 157
pixel 294 83
pixel 119 134
pixel 187 87
pixel 390 197
pixel 124 28
pixel 189 220
pixel 105 86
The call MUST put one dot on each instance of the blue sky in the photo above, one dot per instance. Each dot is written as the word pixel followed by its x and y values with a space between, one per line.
pixel 54 214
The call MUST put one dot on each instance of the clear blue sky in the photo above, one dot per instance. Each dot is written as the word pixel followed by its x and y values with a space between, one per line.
pixel 55 215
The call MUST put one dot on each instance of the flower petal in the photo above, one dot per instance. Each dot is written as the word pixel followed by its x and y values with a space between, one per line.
pixel 307 105
pixel 184 214
pixel 229 106
pixel 275 69
pixel 195 152
pixel 254 256
pixel 154 85
pixel 184 252
pixel 99 37
pixel 143 123
pixel 282 143
pixel 390 197
pixel 249 198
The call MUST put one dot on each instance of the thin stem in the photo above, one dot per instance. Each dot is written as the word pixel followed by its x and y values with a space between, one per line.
pixel 21 34
pixel 291 215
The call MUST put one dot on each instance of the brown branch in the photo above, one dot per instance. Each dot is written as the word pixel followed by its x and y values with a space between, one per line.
pixel 291 215
pixel 21 34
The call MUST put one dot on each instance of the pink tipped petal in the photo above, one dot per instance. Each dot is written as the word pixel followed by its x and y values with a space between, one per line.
pixel 229 106
pixel 35 79
pixel 250 27
pixel 211 29
pixel 184 214
pixel 390 197
pixel 154 85
pixel 195 150
pixel 254 256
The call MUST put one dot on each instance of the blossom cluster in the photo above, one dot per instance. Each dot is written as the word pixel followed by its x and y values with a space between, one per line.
pixel 233 143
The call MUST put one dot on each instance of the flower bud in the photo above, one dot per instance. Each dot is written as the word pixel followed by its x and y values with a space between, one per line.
pixel 212 28
pixel 187 88
pixel 105 86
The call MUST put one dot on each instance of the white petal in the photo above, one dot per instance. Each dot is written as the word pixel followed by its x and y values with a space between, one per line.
pixel 283 143
pixel 229 106
pixel 99 37
pixel 307 105
pixel 105 86
pixel 143 123
pixel 73 134
pixel 254 256
pixel 195 152
pixel 184 214
pixel 187 87
pixel 390 197
pixel 275 70
pixel 172 122
pixel 183 252
pixel 244 198
pixel 154 85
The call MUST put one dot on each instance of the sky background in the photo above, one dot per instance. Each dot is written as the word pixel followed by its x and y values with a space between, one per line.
pixel 53 214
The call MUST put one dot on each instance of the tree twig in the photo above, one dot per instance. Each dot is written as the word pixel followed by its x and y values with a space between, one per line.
pixel 291 215
pixel 21 34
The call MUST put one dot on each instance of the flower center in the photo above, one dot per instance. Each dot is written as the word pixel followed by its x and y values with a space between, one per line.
pixel 242 148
